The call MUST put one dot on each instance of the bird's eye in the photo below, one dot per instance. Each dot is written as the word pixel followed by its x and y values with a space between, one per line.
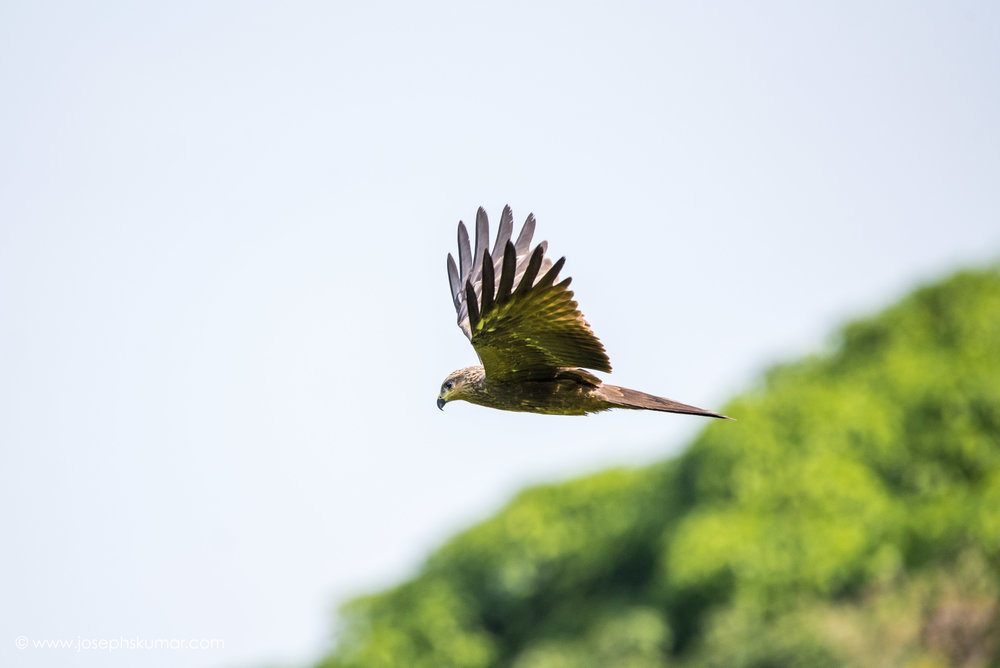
pixel 447 385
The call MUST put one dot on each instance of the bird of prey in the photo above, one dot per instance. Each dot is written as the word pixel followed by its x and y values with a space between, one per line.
pixel 532 340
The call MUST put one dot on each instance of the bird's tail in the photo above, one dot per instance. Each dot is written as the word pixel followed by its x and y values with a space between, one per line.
pixel 622 397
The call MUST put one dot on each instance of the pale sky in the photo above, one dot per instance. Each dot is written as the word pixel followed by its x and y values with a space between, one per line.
pixel 224 311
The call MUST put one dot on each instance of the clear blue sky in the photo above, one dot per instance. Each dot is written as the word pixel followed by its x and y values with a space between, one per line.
pixel 224 312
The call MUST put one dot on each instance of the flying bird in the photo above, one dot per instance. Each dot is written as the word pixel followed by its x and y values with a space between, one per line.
pixel 531 338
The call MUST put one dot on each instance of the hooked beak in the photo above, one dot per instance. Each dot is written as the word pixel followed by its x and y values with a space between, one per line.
pixel 441 403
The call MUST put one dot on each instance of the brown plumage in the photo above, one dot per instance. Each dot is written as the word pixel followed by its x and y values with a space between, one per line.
pixel 529 334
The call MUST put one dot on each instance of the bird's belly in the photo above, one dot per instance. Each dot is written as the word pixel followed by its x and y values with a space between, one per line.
pixel 558 397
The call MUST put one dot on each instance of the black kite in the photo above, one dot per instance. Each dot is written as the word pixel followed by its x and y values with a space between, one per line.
pixel 528 332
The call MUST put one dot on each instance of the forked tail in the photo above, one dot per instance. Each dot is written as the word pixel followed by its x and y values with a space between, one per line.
pixel 622 397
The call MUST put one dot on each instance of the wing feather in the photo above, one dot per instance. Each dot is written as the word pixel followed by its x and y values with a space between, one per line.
pixel 550 276
pixel 523 327
pixel 524 238
pixel 503 234
pixel 523 247
pixel 470 297
pixel 464 252
pixel 482 244
pixel 506 273
pixel 453 281
pixel 527 279
pixel 487 287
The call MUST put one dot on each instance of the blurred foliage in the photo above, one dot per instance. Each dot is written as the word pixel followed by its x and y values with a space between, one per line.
pixel 850 517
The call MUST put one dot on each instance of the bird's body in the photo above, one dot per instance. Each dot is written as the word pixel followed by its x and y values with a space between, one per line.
pixel 534 344
pixel 568 392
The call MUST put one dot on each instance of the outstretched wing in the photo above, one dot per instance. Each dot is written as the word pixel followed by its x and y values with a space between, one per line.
pixel 522 323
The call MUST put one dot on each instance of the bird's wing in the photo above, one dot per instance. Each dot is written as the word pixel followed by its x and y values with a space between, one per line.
pixel 522 323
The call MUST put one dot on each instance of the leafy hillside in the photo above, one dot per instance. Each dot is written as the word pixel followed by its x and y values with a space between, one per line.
pixel 851 516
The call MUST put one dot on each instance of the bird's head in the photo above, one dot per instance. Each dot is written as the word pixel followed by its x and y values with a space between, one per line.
pixel 458 385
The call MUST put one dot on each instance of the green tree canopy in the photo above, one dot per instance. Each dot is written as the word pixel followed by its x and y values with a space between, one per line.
pixel 851 516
